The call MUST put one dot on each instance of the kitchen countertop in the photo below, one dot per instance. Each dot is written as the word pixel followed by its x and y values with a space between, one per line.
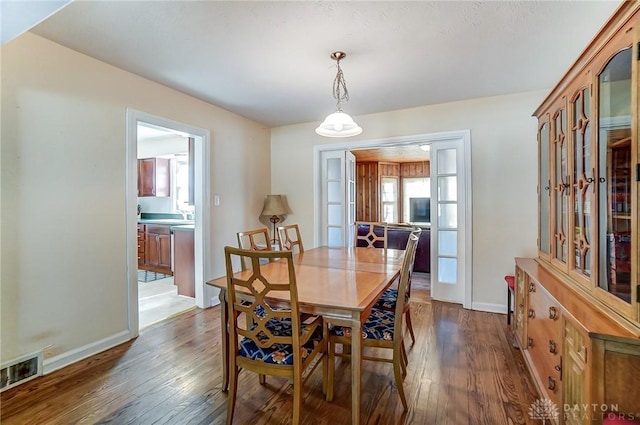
pixel 185 227
pixel 167 221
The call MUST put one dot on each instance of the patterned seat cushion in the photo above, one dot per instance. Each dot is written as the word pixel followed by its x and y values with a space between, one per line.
pixel 379 326
pixel 278 353
pixel 389 298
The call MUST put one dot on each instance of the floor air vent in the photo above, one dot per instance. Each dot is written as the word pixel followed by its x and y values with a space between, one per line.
pixel 20 370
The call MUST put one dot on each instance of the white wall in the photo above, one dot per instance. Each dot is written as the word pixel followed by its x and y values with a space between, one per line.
pixel 63 191
pixel 504 174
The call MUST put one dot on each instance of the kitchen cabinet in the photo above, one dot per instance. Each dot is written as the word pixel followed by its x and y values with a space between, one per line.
pixel 141 245
pixel 157 248
pixel 154 177
pixel 184 260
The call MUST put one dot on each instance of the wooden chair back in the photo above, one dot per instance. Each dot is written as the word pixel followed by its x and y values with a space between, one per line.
pixel 272 340
pixel 249 296
pixel 255 240
pixel 404 285
pixel 376 236
pixel 289 238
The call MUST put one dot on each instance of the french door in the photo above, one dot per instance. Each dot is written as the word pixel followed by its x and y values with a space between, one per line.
pixel 337 198
pixel 448 224
pixel 450 206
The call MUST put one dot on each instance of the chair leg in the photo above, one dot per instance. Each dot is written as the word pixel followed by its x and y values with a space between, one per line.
pixel 405 360
pixel 262 379
pixel 233 386
pixel 397 371
pixel 297 397
pixel 331 357
pixel 508 307
pixel 410 326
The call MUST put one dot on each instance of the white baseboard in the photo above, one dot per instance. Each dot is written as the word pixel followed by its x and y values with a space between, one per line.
pixel 490 308
pixel 65 359
pixel 214 301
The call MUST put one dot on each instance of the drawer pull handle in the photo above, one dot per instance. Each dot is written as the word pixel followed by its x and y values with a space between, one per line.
pixel 552 384
pixel 532 287
pixel 553 313
pixel 553 348
pixel 529 342
pixel 531 314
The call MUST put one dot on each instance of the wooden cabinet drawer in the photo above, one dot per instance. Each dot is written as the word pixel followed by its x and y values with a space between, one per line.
pixel 158 229
pixel 544 331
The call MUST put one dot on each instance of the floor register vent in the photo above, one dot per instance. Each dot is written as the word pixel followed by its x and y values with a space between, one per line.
pixel 20 370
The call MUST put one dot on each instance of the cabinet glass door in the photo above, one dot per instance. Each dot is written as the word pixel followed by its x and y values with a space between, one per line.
pixel 614 168
pixel 561 186
pixel 582 182
pixel 544 191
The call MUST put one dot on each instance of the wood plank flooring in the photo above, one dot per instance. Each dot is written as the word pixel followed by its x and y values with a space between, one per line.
pixel 462 370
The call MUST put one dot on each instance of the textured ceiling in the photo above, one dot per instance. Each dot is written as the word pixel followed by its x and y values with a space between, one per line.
pixel 269 61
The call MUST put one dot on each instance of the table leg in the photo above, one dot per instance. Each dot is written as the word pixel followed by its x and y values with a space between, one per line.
pixel 224 336
pixel 356 368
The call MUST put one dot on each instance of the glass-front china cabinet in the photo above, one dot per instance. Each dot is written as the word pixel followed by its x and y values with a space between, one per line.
pixel 577 312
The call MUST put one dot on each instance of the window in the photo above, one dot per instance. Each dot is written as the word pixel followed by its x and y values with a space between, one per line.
pixel 182 185
pixel 413 187
pixel 389 199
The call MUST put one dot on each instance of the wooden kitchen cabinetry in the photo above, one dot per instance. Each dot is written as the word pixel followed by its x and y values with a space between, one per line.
pixel 184 261
pixel 153 177
pixel 157 248
pixel 578 303
pixel 141 245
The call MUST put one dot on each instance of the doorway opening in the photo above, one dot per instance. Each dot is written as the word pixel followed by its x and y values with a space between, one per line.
pixel 165 209
pixel 449 221
pixel 173 203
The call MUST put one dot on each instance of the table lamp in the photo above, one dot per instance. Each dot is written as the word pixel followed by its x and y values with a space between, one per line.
pixel 274 207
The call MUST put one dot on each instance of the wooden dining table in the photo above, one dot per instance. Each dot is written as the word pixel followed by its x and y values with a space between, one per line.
pixel 340 284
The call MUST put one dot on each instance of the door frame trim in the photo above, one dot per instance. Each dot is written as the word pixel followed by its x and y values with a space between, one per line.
pixel 416 139
pixel 202 170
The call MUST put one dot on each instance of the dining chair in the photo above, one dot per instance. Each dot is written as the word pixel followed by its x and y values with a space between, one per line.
pixel 255 240
pixel 383 329
pixel 289 237
pixel 375 236
pixel 389 298
pixel 274 340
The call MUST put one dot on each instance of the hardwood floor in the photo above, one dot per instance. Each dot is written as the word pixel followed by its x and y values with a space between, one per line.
pixel 462 370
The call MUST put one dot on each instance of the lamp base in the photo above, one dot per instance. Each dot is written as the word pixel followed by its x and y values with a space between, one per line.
pixel 274 219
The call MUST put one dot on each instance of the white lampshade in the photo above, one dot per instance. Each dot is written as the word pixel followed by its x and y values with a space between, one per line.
pixel 338 124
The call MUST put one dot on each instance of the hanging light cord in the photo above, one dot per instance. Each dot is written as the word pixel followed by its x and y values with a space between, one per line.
pixel 340 92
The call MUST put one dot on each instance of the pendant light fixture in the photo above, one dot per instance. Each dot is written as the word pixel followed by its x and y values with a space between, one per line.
pixel 339 124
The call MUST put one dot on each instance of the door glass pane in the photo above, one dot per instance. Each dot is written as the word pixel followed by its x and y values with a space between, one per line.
pixel 334 236
pixel 447 161
pixel 447 216
pixel 448 270
pixel 333 168
pixel 614 169
pixel 334 215
pixel 447 189
pixel 448 242
pixel 334 191
pixel 545 192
